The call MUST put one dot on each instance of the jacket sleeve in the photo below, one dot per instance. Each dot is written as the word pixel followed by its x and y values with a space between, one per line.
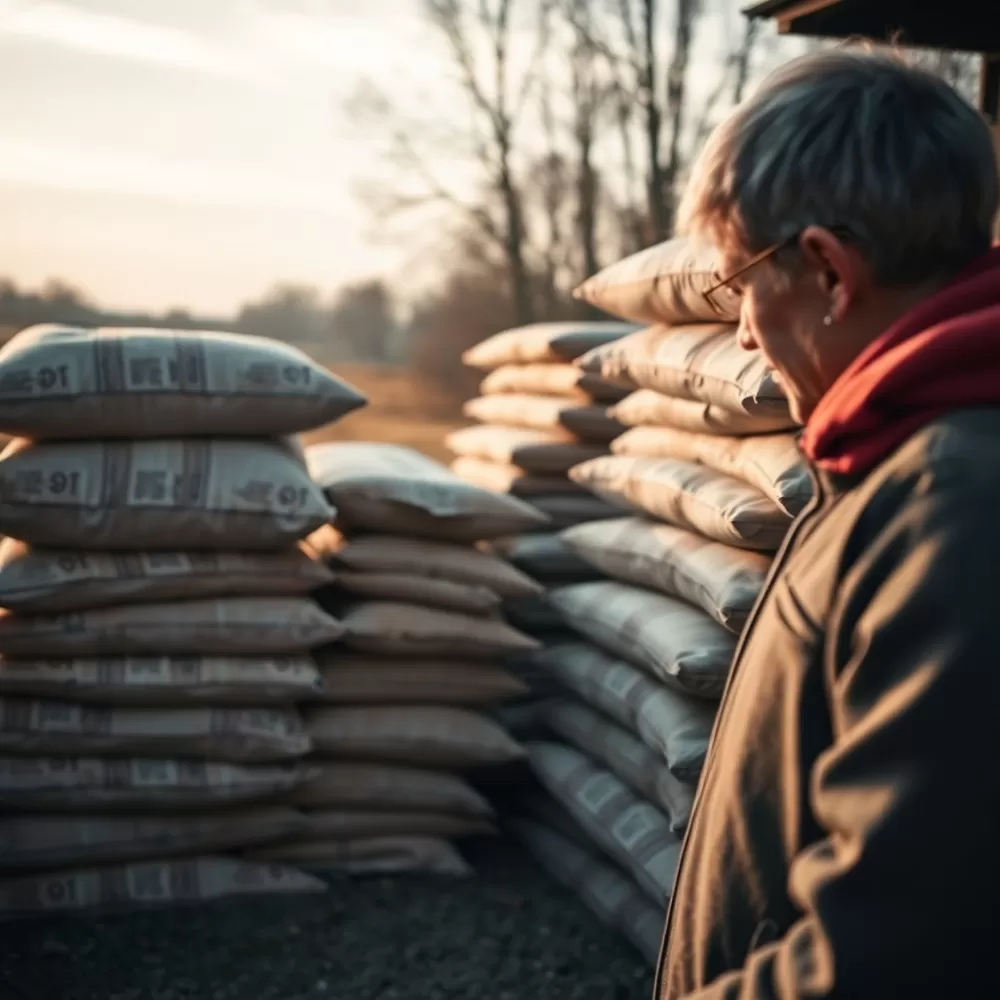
pixel 899 900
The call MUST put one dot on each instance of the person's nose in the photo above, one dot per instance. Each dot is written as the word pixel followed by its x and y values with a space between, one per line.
pixel 745 335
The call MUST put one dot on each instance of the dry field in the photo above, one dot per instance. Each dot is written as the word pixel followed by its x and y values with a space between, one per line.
pixel 399 410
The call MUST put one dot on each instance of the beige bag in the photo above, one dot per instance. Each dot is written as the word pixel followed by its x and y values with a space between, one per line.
pixel 372 856
pixel 395 490
pixel 464 598
pixel 632 832
pixel 550 379
pixel 75 784
pixel 770 462
pixel 665 283
pixel 158 494
pixel 76 841
pixel 606 892
pixel 408 630
pixel 648 409
pixel 676 726
pixel 431 560
pixel 625 757
pixel 549 342
pixel 413 682
pixel 669 639
pixel 51 580
pixel 511 479
pixel 545 413
pixel 164 680
pixel 703 363
pixel 240 626
pixel 546 557
pixel 566 510
pixel 67 382
pixel 720 579
pixel 149 883
pixel 690 496
pixel 356 824
pixel 345 784
pixel 38 727
pixel 549 453
pixel 421 736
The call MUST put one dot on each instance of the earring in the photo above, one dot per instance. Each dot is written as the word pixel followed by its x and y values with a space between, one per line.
pixel 827 320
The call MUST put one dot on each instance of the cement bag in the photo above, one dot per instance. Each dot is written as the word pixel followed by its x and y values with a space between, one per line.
pixel 432 560
pixel 374 856
pixel 691 496
pixel 346 784
pixel 548 342
pixel 365 681
pixel 669 639
pixel 545 413
pixel 605 891
pixel 719 579
pixel 50 842
pixel 239 626
pixel 625 756
pixel 550 379
pixel 546 557
pixel 149 883
pixel 770 462
pixel 463 598
pixel 419 736
pixel 665 283
pixel 51 580
pixel 397 491
pixel 632 832
pixel 704 363
pixel 566 510
pixel 408 630
pixel 676 726
pixel 164 680
pixel 66 382
pixel 647 408
pixel 533 616
pixel 511 479
pixel 549 453
pixel 106 784
pixel 59 728
pixel 158 494
pixel 356 824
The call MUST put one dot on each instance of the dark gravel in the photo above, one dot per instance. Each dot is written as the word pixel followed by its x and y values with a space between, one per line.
pixel 510 934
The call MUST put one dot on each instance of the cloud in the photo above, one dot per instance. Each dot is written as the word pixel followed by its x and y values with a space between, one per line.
pixel 25 161
pixel 118 37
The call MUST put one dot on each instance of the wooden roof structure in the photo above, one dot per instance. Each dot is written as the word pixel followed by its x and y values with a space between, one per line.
pixel 958 25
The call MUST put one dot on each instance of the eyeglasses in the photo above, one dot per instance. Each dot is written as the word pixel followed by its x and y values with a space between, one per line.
pixel 842 232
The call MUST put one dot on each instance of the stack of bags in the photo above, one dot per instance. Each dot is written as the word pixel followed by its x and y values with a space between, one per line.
pixel 711 477
pixel 409 686
pixel 156 637
pixel 540 415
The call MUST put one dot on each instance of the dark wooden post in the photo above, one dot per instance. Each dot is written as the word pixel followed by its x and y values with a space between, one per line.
pixel 989 87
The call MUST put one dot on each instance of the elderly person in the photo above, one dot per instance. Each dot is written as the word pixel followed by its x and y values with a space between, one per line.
pixel 846 837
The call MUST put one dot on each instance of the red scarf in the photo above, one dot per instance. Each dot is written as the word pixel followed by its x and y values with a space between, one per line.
pixel 942 355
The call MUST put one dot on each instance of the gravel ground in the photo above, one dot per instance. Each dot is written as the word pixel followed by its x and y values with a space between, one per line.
pixel 510 934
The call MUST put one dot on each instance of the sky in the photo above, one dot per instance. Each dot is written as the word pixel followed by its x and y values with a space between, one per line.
pixel 193 153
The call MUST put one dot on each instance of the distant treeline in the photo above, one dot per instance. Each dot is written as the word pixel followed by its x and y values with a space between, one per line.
pixel 358 325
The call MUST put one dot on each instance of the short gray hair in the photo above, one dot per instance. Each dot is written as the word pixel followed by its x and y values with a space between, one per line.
pixel 858 139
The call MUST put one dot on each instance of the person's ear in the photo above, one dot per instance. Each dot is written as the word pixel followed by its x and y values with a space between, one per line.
pixel 839 269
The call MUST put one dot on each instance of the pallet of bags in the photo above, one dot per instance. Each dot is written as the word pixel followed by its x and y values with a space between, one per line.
pixel 538 416
pixel 157 625
pixel 404 714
